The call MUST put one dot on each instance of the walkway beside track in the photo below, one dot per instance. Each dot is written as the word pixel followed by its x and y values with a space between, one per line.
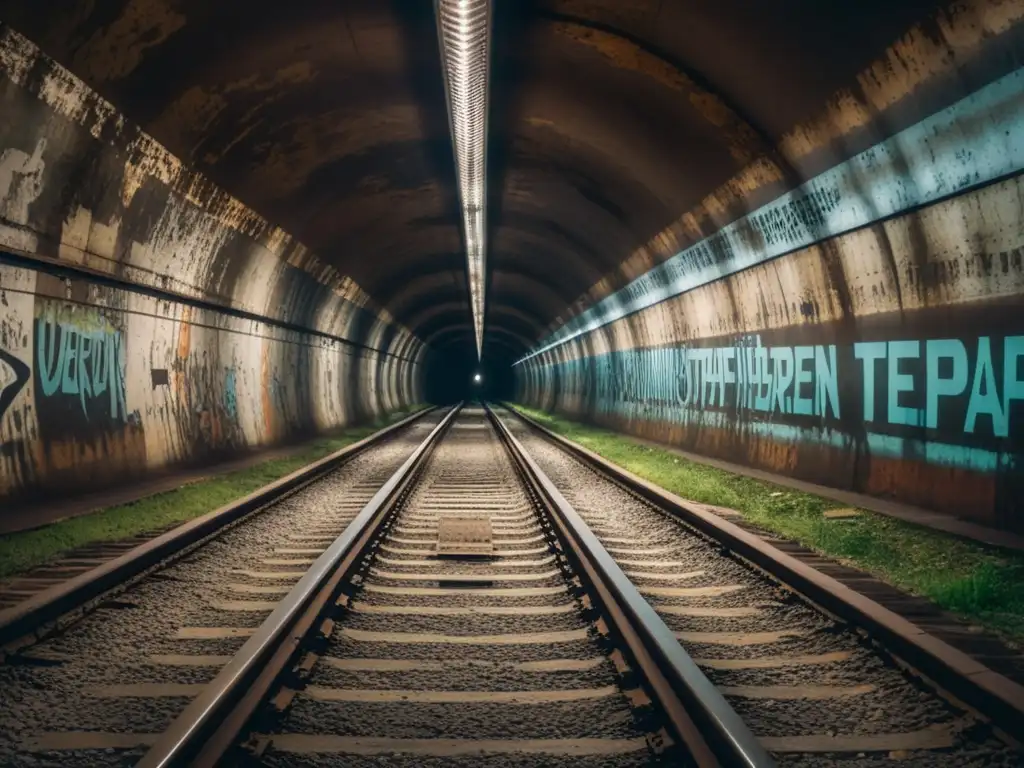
pixel 938 521
pixel 31 514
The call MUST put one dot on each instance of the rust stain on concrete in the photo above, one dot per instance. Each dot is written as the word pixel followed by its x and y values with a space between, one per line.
pixel 743 143
pixel 909 63
pixel 116 50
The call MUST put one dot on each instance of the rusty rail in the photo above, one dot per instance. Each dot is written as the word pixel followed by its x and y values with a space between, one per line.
pixel 711 730
pixel 212 723
pixel 991 694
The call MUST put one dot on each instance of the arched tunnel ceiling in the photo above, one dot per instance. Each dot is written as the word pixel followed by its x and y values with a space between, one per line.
pixel 609 121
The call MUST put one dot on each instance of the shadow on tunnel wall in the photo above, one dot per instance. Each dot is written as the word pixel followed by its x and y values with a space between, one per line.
pixel 863 328
pixel 148 319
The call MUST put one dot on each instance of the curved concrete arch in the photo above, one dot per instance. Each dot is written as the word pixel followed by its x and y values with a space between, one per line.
pixel 459 330
pixel 506 324
pixel 431 311
pixel 683 174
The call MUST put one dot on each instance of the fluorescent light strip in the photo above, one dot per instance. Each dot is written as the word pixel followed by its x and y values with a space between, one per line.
pixel 464 29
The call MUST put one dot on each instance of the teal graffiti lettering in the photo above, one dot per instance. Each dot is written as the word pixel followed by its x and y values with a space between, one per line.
pixel 714 374
pixel 230 394
pixel 763 379
pixel 826 374
pixel 100 371
pixel 921 383
pixel 869 352
pixel 86 364
pixel 728 371
pixel 801 356
pixel 902 382
pixel 82 376
pixel 68 382
pixel 50 370
pixel 782 366
pixel 938 386
pixel 985 402
pixel 684 389
pixel 1013 384
pixel 754 376
pixel 703 357
pixel 115 377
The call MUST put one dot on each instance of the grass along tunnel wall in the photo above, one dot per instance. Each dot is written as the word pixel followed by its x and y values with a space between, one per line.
pixel 979 583
pixel 27 549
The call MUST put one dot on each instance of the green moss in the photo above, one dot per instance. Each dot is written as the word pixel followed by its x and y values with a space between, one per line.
pixel 28 549
pixel 982 584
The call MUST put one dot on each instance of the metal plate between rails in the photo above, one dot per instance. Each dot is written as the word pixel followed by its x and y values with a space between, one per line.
pixel 465 536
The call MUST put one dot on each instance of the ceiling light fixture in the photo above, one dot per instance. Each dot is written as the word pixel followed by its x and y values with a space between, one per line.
pixel 464 29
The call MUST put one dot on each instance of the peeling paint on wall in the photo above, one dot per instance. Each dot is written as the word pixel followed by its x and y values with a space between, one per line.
pixel 937 57
pixel 225 335
pixel 976 141
pixel 97 393
pixel 132 209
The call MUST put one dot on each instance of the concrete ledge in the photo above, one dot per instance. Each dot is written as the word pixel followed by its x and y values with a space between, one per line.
pixel 938 521
pixel 994 695
pixel 32 515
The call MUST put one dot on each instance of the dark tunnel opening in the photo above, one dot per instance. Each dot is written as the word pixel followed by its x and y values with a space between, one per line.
pixel 449 376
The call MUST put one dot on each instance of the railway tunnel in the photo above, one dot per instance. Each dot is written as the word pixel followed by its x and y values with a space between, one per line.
pixel 786 235
pixel 783 239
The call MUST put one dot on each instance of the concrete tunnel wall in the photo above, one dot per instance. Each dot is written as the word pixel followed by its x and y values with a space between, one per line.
pixel 611 122
pixel 147 318
pixel 860 325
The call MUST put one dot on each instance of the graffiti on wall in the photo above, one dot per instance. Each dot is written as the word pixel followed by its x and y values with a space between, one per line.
pixel 98 395
pixel 80 364
pixel 206 402
pixel 960 401
pixel 14 374
pixel 231 393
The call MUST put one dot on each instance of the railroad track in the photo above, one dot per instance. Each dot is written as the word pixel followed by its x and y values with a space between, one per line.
pixel 466 635
pixel 49 597
pixel 20 588
pixel 813 688
pixel 456 619
pixel 474 596
pixel 128 624
pixel 459 620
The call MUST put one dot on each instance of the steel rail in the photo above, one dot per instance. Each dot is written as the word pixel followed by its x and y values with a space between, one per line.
pixel 211 723
pixel 994 696
pixel 712 731
pixel 23 621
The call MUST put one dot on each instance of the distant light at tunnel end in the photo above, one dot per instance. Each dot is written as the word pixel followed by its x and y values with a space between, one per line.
pixel 476 378
pixel 464 31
